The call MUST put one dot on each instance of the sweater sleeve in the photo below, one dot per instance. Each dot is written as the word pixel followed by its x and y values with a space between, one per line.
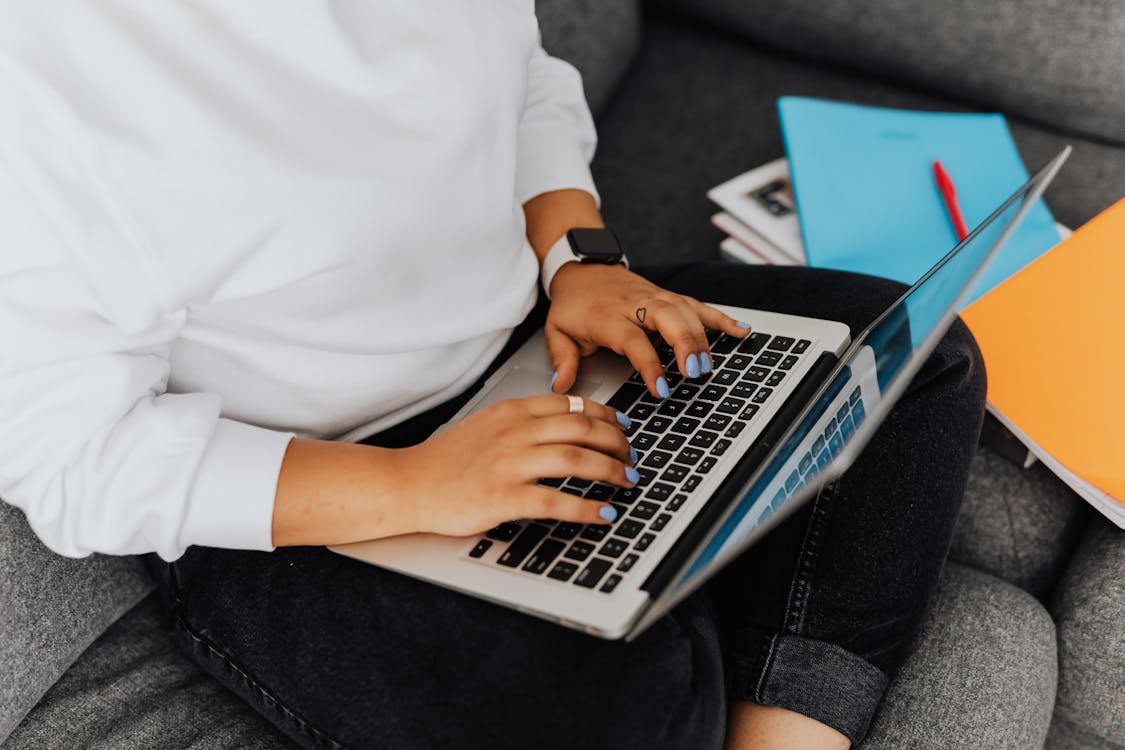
pixel 556 133
pixel 93 449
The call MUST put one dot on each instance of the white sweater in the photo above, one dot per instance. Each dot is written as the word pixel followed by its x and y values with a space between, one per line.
pixel 223 224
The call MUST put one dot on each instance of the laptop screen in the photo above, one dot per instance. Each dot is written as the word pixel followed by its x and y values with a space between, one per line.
pixel 871 375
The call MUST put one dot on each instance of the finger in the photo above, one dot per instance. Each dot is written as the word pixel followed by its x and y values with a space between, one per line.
pixel 667 319
pixel 699 346
pixel 540 502
pixel 574 461
pixel 718 320
pixel 580 429
pixel 555 404
pixel 632 342
pixel 564 359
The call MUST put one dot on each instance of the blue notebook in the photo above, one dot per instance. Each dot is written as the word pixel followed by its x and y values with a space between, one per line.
pixel 866 195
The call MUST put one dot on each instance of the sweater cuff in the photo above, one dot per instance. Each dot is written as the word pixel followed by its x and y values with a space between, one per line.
pixel 231 502
pixel 550 158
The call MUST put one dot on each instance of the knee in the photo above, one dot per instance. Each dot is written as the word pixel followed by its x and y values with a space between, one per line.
pixel 965 361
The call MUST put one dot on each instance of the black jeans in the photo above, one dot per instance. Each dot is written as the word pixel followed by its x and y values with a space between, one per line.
pixel 815 618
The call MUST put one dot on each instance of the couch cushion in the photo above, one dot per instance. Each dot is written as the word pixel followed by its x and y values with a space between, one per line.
pixel 1058 64
pixel 134 689
pixel 1090 610
pixel 982 674
pixel 51 609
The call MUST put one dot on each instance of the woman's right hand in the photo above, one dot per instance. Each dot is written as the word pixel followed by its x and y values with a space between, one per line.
pixel 485 469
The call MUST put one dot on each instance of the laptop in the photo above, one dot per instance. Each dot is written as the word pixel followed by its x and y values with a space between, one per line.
pixel 722 461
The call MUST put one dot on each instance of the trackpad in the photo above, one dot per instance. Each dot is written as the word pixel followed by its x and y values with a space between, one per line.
pixel 520 382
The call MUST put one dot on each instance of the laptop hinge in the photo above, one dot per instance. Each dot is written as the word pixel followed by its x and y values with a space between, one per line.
pixel 703 522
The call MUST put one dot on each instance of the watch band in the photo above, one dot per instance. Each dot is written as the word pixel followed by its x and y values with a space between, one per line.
pixel 558 256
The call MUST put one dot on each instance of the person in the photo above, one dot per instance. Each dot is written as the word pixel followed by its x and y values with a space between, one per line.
pixel 256 253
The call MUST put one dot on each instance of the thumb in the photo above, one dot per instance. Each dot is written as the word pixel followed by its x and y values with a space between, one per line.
pixel 564 358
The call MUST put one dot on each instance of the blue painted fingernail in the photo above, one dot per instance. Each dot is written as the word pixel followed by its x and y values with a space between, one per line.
pixel 632 455
pixel 609 513
pixel 692 363
pixel 623 419
pixel 632 475
pixel 554 377
pixel 705 362
pixel 742 325
pixel 662 387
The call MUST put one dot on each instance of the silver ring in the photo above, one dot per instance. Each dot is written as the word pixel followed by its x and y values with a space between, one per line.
pixel 577 405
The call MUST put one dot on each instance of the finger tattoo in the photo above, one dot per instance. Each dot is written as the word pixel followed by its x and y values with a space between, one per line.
pixel 641 313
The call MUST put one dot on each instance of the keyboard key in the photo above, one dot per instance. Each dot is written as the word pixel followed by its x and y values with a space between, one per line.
pixel 689 456
pixel 544 556
pixel 676 503
pixel 788 362
pixel 707 464
pixel 749 411
pixel 717 422
pixel 567 530
pixel 762 395
pixel 571 490
pixel 717 361
pixel 579 551
pixel 753 343
pixel 481 548
pixel 823 460
pixel 641 411
pixel 659 491
pixel 780 343
pixel 595 532
pixel 738 362
pixel 614 548
pixel 836 444
pixel 628 562
pixel 674 474
pixel 842 412
pixel 644 542
pixel 801 346
pixel 665 351
pixel 768 358
pixel 712 393
pixel 692 482
pixel 700 409
pixel 792 481
pixel 505 532
pixel 671 408
pixel 703 439
pixel 724 345
pixel 720 447
pixel 775 378
pixel 858 413
pixel 562 571
pixel 756 374
pixel 551 481
pixel 830 428
pixel 642 441
pixel 743 390
pixel 847 427
pixel 610 584
pixel 625 396
pixel 660 522
pixel 658 424
pixel 853 398
pixel 731 405
pixel 629 528
pixel 657 459
pixel 633 428
pixel 685 425
pixel 645 510
pixel 521 547
pixel 636 377
pixel 593 573
pixel 579 483
pixel 818 445
pixel 600 491
pixel 735 430
pixel 778 499
pixel 627 495
pixel 647 475
pixel 685 392
pixel 725 377
pixel 671 441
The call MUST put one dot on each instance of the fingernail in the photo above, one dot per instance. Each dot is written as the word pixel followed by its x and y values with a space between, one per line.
pixel 632 475
pixel 662 387
pixel 692 366
pixel 609 513
pixel 705 362
pixel 623 419
pixel 742 325
pixel 632 455
pixel 554 377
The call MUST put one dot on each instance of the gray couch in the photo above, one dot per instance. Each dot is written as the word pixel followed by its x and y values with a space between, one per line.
pixel 1025 642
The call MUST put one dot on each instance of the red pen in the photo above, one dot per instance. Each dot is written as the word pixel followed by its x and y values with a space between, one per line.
pixel 949 198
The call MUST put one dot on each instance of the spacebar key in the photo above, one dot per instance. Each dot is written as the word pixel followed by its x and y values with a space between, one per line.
pixel 523 544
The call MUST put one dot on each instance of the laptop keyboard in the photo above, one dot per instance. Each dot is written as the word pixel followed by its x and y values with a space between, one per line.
pixel 679 440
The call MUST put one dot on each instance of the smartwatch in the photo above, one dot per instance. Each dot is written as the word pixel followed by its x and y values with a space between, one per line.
pixel 581 246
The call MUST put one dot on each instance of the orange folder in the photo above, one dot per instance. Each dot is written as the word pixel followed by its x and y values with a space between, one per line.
pixel 1053 338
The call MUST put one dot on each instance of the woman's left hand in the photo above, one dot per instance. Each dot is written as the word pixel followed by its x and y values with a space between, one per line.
pixel 597 305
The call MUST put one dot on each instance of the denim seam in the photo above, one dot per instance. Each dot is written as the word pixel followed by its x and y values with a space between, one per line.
pixel 807 556
pixel 303 726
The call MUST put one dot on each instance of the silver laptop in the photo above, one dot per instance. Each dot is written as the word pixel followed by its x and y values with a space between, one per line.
pixel 722 461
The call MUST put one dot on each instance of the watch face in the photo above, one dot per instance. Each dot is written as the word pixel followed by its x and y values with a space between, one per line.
pixel 595 245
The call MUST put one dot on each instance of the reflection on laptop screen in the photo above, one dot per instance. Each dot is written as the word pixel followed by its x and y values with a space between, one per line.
pixel 872 373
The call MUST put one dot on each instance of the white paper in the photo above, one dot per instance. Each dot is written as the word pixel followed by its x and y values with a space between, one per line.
pixel 762 200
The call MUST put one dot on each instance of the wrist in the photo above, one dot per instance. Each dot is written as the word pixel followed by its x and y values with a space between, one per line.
pixel 581 246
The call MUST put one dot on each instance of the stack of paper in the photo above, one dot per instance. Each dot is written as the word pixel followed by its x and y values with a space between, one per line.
pixel 760 217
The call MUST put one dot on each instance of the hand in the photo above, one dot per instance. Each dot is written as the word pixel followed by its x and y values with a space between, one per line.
pixel 597 305
pixel 484 470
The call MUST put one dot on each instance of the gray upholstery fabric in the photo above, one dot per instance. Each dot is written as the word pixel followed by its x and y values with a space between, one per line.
pixel 1090 611
pixel 134 689
pixel 1057 63
pixel 599 37
pixel 698 108
pixel 51 609
pixel 982 674
pixel 1020 525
